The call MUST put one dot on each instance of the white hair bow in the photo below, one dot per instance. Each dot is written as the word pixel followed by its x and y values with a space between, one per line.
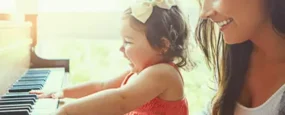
pixel 142 9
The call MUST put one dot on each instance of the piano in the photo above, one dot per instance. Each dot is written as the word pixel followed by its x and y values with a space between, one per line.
pixel 22 70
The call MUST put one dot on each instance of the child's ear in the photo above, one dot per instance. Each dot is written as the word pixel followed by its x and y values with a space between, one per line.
pixel 165 45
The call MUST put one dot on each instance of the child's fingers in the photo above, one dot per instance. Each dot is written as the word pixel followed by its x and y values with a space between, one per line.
pixel 43 96
pixel 40 96
pixel 37 92
pixel 54 96
pixel 57 95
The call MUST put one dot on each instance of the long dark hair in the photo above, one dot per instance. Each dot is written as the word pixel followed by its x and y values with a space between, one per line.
pixel 230 62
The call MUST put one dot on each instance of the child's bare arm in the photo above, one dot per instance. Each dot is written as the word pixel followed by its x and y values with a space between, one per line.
pixel 149 84
pixel 88 88
pixel 83 89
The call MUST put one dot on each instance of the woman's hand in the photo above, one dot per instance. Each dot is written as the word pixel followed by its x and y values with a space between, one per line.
pixel 47 94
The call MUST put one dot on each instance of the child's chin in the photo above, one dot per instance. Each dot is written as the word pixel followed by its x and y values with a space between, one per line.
pixel 132 68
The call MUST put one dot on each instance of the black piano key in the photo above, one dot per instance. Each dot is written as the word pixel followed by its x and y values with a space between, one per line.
pixel 32 79
pixel 40 86
pixel 36 75
pixel 14 99
pixel 12 95
pixel 17 102
pixel 25 84
pixel 14 112
pixel 17 93
pixel 23 89
pixel 30 86
pixel 37 71
pixel 30 83
pixel 19 87
pixel 16 105
pixel 27 77
pixel 16 108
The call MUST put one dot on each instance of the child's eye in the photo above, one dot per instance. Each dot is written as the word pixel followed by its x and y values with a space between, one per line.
pixel 126 42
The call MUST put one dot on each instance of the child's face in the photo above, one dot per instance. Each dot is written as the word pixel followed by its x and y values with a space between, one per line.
pixel 137 49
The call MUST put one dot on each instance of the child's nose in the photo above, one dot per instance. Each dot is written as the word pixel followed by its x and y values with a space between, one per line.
pixel 122 48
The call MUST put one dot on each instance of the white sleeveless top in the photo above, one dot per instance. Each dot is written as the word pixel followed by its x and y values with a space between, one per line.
pixel 270 107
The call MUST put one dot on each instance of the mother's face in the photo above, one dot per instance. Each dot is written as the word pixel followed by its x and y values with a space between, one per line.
pixel 238 20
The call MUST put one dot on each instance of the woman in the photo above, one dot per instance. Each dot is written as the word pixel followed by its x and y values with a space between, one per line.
pixel 248 56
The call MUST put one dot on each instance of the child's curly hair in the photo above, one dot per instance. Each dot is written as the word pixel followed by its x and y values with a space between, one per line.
pixel 169 24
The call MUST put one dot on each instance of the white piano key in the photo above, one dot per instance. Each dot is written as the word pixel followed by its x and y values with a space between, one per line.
pixel 42 112
pixel 45 107
pixel 46 104
pixel 55 80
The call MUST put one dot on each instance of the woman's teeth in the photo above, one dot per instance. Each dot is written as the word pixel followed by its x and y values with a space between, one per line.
pixel 225 22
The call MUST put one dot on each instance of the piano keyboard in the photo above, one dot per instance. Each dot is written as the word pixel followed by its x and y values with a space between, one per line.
pixel 18 101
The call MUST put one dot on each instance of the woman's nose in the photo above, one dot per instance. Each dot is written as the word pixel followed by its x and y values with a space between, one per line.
pixel 207 9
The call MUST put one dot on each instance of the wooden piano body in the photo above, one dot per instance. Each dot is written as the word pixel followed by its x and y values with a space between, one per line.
pixel 17 56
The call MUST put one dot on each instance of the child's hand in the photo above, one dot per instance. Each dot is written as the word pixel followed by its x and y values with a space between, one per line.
pixel 47 94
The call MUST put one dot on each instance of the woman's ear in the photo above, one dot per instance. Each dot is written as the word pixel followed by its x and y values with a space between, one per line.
pixel 165 45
